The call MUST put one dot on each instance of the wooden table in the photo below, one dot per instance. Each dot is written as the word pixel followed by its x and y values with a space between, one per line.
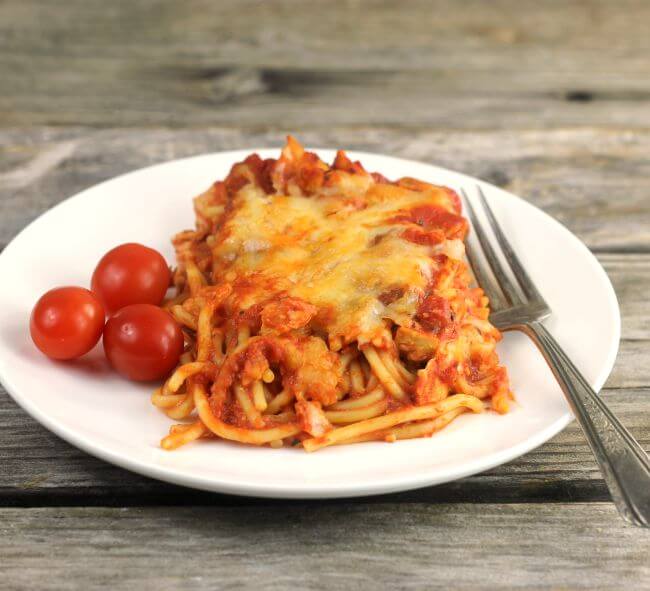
pixel 550 100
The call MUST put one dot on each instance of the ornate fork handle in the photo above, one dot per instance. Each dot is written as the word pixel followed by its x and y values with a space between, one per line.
pixel 624 464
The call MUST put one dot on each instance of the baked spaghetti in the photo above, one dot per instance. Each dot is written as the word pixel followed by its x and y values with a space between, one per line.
pixel 324 305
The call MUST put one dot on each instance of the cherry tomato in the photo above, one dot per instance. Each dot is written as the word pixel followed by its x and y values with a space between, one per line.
pixel 143 342
pixel 67 322
pixel 130 274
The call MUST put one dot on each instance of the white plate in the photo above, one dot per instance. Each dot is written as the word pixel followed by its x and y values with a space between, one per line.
pixel 91 407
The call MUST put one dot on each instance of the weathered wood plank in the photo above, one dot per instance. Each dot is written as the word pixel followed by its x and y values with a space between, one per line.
pixel 310 546
pixel 39 468
pixel 506 64
pixel 596 182
pixel 550 100
pixel 631 369
pixel 630 276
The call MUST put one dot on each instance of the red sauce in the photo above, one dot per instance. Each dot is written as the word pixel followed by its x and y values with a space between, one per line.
pixel 342 162
pixel 391 295
pixel 380 178
pixel 287 314
pixel 434 313
pixel 431 217
pixel 424 237
pixel 262 169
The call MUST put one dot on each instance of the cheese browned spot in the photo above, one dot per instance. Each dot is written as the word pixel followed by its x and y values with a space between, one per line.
pixel 326 252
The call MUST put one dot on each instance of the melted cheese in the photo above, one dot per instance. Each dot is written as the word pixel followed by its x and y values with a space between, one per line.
pixel 329 253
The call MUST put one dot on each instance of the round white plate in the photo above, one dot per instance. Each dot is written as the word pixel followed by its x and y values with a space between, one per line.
pixel 89 406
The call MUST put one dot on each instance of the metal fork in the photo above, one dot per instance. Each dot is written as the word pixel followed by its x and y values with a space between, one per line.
pixel 518 305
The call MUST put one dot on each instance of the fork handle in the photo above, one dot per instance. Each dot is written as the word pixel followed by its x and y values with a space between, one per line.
pixel 624 464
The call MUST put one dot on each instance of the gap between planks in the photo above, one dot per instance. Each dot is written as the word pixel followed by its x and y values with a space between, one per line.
pixel 566 545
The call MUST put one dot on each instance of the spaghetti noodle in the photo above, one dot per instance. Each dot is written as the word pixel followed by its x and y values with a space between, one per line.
pixel 324 305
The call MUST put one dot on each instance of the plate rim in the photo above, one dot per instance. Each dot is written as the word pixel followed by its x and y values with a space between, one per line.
pixel 309 491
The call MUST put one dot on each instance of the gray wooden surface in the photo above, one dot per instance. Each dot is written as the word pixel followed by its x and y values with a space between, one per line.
pixel 548 99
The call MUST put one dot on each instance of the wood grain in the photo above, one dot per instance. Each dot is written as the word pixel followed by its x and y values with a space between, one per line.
pixel 548 99
pixel 596 182
pixel 442 546
pixel 507 64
